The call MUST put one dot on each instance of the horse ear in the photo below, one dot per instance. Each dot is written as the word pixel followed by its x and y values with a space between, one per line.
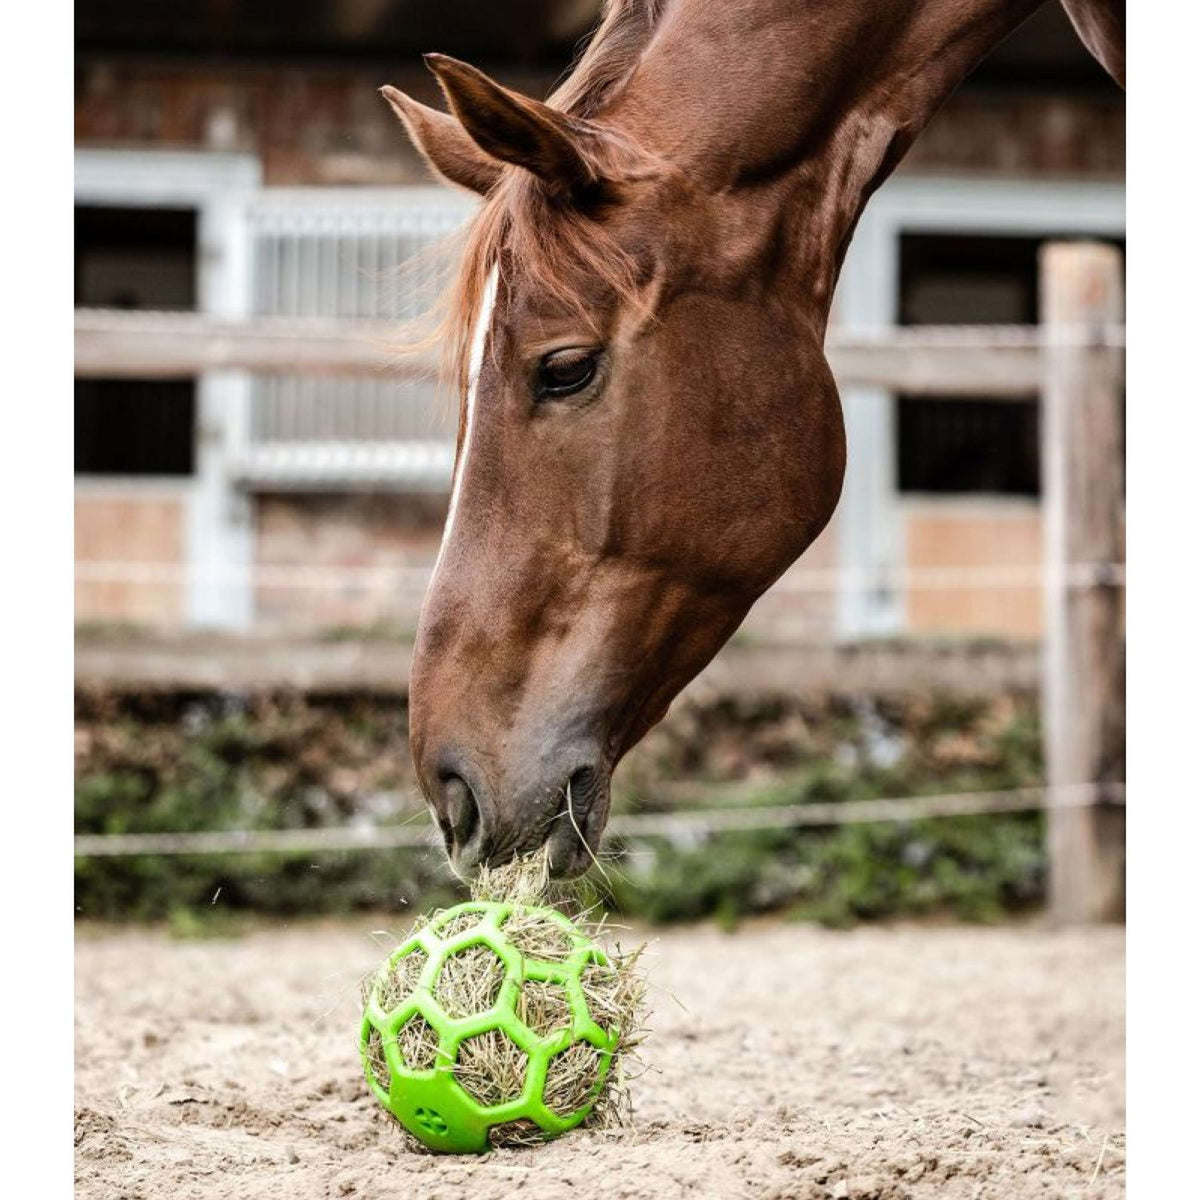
pixel 444 144
pixel 515 129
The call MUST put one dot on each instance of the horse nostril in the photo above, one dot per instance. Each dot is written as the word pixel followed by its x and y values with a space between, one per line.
pixel 461 817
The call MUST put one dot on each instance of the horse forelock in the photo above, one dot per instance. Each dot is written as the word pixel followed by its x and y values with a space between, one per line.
pixel 534 237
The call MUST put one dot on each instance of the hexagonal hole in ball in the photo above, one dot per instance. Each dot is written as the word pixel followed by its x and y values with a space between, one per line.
pixel 469 981
pixel 418 1043
pixel 537 936
pixel 544 1007
pixel 452 927
pixel 491 1068
pixel 400 981
pixel 570 1078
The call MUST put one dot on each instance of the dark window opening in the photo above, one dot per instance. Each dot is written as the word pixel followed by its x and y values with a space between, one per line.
pixel 381 31
pixel 952 279
pixel 1043 52
pixel 134 426
pixel 968 444
pixel 135 258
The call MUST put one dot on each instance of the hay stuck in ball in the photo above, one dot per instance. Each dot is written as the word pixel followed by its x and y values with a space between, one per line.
pixel 502 1021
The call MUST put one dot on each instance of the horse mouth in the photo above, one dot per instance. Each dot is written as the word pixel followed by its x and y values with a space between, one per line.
pixel 578 824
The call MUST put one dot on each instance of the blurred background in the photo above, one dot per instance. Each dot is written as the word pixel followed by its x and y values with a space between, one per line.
pixel 252 544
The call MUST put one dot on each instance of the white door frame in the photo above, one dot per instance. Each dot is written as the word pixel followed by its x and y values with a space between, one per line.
pixel 219 536
pixel 869 529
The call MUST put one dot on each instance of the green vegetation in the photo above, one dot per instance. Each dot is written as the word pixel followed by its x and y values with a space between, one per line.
pixel 171 762
pixel 975 867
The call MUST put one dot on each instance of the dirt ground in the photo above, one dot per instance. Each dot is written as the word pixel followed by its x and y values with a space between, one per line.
pixel 874 1065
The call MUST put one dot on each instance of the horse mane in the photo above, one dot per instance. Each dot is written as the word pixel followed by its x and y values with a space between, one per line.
pixel 612 52
pixel 523 226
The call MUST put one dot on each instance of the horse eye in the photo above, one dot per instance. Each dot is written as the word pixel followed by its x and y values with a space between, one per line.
pixel 564 373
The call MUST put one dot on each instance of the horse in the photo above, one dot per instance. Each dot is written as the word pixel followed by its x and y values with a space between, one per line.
pixel 649 433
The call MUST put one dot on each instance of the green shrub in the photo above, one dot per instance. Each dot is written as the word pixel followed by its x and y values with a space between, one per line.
pixel 168 763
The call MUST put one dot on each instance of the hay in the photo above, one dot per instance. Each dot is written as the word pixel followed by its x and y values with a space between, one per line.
pixel 616 996
pixel 418 1044
pixel 514 1134
pixel 469 981
pixel 536 937
pixel 615 993
pixel 377 1062
pixel 522 881
pixel 489 1066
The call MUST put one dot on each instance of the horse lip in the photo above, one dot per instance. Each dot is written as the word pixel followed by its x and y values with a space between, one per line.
pixel 575 838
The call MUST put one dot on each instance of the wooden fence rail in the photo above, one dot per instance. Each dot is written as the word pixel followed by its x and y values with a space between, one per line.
pixel 989 361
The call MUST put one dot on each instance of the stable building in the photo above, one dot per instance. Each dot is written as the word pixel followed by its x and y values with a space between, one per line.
pixel 239 163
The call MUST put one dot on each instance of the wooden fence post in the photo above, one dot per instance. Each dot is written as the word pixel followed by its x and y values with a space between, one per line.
pixel 1083 689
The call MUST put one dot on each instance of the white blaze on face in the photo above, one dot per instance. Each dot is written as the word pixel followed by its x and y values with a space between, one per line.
pixel 479 336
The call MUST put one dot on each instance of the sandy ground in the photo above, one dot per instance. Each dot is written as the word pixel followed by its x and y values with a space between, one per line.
pixel 798 1064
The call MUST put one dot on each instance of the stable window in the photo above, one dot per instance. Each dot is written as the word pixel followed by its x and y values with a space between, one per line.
pixel 135 258
pixel 968 444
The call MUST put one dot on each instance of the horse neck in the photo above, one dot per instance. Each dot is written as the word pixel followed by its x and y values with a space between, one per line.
pixel 796 110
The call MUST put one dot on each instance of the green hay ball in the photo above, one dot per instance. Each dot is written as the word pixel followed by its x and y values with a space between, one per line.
pixel 477 1029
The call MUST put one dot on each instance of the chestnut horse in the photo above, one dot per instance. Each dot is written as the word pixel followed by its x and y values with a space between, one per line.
pixel 649 433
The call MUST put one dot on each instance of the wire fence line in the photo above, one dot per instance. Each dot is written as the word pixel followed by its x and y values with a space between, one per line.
pixel 675 826
pixel 806 580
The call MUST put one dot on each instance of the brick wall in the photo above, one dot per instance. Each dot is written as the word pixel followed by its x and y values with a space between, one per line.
pixel 986 534
pixel 308 125
pixel 318 125
pixel 350 548
pixel 140 526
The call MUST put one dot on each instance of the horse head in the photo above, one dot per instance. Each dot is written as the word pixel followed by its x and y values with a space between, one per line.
pixel 646 442
pixel 649 431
